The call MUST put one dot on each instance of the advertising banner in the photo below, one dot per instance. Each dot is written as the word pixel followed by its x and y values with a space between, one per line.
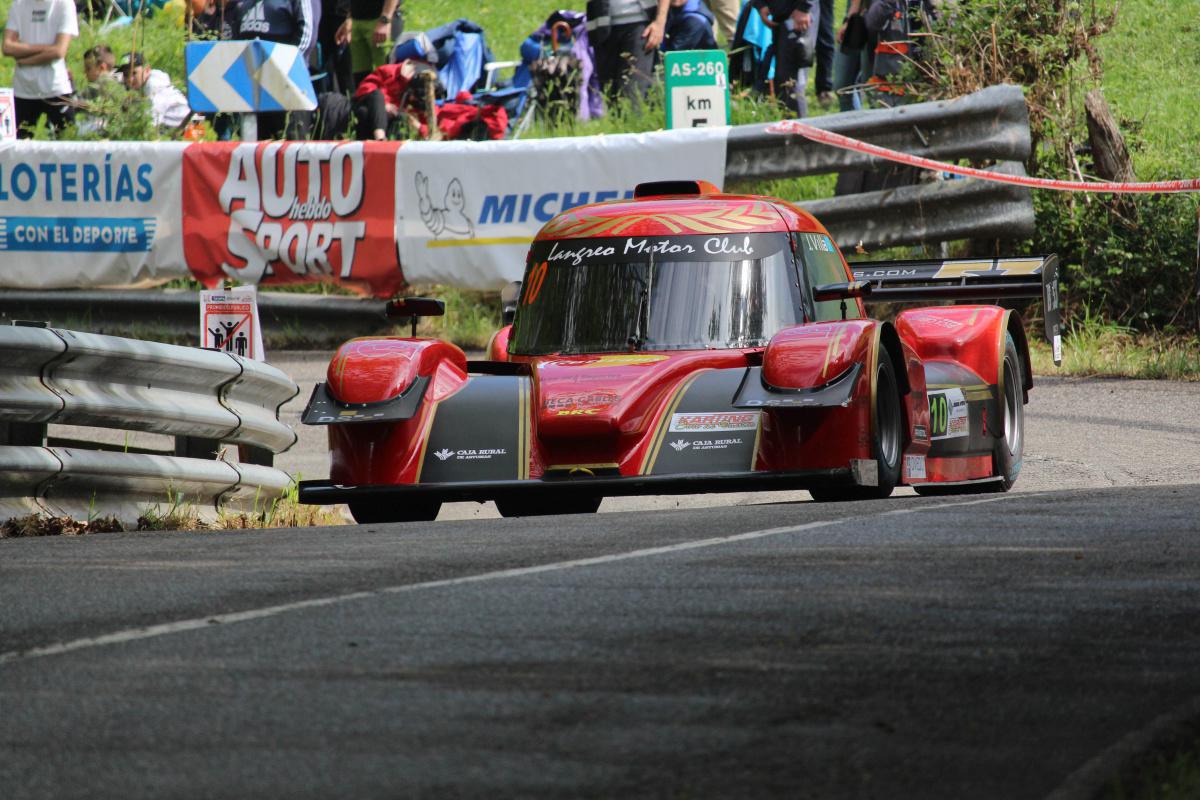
pixel 76 215
pixel 467 211
pixel 292 212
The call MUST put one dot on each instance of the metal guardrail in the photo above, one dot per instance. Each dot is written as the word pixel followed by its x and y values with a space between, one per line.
pixel 940 211
pixel 176 309
pixel 991 124
pixel 203 398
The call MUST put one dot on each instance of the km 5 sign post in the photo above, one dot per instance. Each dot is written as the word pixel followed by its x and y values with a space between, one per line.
pixel 697 89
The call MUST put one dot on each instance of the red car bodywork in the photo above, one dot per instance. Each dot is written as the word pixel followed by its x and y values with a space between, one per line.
pixel 413 418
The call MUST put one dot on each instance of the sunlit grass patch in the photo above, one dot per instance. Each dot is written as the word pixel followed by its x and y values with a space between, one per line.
pixel 1093 347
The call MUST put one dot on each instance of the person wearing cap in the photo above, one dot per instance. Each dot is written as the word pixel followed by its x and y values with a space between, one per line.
pixel 168 106
pixel 37 36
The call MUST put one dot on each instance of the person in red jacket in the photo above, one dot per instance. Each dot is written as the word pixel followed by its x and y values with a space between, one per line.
pixel 383 95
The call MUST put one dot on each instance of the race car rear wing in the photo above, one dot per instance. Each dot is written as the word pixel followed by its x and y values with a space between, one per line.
pixel 965 279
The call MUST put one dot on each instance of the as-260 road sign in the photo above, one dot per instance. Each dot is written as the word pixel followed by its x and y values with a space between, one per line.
pixel 697 89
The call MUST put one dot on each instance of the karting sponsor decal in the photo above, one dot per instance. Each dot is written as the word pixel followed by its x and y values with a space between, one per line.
pixel 914 467
pixel 948 417
pixel 717 421
pixel 287 212
pixel 920 432
pixel 642 249
pixel 692 437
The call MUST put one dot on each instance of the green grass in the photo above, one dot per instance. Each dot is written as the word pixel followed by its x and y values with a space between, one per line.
pixel 1094 348
pixel 1151 60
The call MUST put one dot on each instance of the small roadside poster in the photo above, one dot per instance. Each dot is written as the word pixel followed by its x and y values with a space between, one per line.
pixel 229 322
pixel 697 89
pixel 8 115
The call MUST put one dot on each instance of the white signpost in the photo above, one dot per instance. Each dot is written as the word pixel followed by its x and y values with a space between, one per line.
pixel 697 89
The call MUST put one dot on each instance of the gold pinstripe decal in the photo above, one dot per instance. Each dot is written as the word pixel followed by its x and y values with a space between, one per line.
pixel 521 421
pixel 660 432
pixel 757 439
pixel 428 429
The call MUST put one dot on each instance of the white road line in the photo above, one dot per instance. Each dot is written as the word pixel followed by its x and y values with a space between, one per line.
pixel 152 631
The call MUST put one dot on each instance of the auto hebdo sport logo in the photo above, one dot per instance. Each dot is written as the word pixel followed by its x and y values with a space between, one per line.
pixel 282 212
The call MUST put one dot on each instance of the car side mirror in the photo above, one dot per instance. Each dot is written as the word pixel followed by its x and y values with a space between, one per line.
pixel 415 308
pixel 841 291
pixel 508 302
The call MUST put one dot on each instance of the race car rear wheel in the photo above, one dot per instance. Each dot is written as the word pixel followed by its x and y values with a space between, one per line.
pixel 1006 457
pixel 365 511
pixel 888 440
pixel 545 506
pixel 1009 446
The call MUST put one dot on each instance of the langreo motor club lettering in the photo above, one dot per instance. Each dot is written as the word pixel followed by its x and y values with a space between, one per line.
pixel 736 247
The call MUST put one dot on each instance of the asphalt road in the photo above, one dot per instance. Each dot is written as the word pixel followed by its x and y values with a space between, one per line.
pixel 1002 646
pixel 750 645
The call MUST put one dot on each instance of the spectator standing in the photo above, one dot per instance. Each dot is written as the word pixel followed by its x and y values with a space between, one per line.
pixel 689 27
pixel 37 36
pixel 794 25
pixel 168 106
pixel 823 80
pixel 897 24
pixel 368 31
pixel 726 12
pixel 335 55
pixel 625 35
pixel 284 22
pixel 852 62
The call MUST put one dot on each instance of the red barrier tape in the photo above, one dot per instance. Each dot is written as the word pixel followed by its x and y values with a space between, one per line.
pixel 846 143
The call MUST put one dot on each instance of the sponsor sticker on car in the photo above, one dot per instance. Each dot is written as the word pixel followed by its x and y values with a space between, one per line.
pixel 716 421
pixel 948 418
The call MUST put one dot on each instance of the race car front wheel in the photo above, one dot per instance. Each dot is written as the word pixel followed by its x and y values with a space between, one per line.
pixel 545 506
pixel 365 511
pixel 887 443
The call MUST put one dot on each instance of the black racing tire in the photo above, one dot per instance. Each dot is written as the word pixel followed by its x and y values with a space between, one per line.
pixel 1010 444
pixel 371 511
pixel 547 505
pixel 887 442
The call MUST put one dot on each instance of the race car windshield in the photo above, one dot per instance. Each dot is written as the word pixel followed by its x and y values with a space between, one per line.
pixel 655 293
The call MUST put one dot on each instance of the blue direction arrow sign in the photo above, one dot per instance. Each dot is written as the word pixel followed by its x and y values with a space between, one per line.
pixel 247 76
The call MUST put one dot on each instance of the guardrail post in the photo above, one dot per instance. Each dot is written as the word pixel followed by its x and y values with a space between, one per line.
pixel 23 434
pixel 196 447
pixel 249 454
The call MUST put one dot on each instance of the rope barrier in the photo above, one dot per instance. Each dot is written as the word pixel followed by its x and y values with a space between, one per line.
pixel 791 126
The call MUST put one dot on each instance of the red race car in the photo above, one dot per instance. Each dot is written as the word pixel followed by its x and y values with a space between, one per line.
pixel 688 341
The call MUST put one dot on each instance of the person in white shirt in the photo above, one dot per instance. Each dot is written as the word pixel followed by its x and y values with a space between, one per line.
pixel 37 36
pixel 168 106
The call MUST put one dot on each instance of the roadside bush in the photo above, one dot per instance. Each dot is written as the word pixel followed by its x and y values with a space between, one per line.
pixel 1131 260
